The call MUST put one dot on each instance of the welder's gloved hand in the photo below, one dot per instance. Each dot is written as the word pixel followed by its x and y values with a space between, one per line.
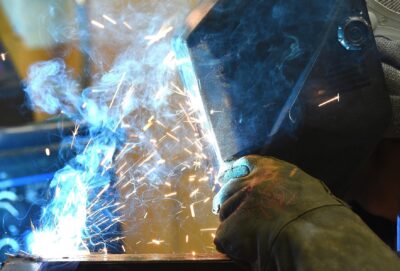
pixel 260 196
pixel 276 217
pixel 390 57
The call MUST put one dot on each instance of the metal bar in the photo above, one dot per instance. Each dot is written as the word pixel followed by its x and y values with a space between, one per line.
pixel 137 262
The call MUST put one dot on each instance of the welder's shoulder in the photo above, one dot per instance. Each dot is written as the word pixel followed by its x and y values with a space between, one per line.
pixel 331 238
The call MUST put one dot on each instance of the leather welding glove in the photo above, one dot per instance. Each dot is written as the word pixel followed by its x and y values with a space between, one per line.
pixel 276 217
pixel 390 58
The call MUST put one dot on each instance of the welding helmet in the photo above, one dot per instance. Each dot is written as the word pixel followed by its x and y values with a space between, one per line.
pixel 297 80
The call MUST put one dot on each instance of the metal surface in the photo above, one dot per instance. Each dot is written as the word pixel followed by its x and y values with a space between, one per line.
pixel 141 258
pixel 299 82
pixel 138 262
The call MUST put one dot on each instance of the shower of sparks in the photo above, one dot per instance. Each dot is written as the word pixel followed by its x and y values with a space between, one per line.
pixel 97 24
pixel 134 149
pixel 337 98
pixel 109 19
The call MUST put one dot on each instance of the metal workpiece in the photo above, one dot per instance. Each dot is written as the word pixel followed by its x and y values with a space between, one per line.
pixel 137 262
pixel 299 82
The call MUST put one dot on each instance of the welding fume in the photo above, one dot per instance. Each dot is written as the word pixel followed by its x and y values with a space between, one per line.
pixel 302 101
pixel 109 165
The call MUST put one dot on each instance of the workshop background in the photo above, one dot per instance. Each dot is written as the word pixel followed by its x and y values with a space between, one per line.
pixel 84 35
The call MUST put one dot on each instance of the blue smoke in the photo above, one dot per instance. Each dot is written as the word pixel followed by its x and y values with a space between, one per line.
pixel 64 220
pixel 114 118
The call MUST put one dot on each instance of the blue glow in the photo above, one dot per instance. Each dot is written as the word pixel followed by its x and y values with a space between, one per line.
pixel 9 208
pixel 9 214
pixel 22 181
pixel 398 233
pixel 8 195
pixel 9 242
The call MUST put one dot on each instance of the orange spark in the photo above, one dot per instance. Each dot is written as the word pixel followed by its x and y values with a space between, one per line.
pixel 170 195
pixel 337 98
pixel 109 19
pixel 97 24
pixel 192 210
pixel 117 90
pixel 127 25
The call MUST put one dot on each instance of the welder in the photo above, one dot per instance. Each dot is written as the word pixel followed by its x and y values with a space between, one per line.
pixel 266 68
pixel 274 216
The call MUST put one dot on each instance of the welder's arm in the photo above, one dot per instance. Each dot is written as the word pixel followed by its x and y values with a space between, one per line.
pixel 276 217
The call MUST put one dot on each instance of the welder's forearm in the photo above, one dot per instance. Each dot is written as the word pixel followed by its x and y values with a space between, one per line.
pixel 330 238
